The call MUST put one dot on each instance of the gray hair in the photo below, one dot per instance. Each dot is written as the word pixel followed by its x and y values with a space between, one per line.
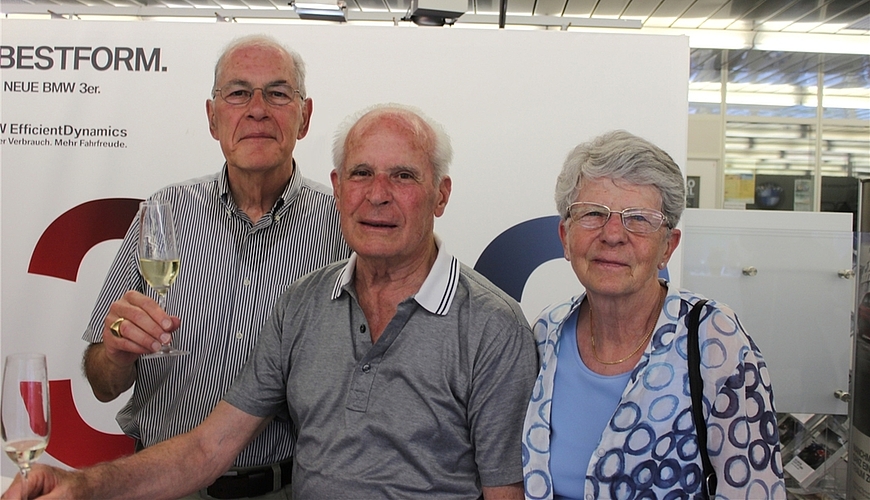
pixel 265 41
pixel 429 133
pixel 622 155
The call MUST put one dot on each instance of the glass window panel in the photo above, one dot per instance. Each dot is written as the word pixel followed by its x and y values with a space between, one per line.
pixel 705 87
pixel 846 150
pixel 846 87
pixel 703 108
pixel 772 84
pixel 779 159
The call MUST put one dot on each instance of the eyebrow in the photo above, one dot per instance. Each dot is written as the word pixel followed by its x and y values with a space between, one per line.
pixel 239 81
pixel 390 170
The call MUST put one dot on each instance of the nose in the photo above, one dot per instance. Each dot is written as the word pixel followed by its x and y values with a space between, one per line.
pixel 379 192
pixel 257 106
pixel 613 229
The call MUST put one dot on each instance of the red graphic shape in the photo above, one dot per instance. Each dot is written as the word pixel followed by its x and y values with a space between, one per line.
pixel 59 253
pixel 64 243
pixel 31 393
pixel 73 441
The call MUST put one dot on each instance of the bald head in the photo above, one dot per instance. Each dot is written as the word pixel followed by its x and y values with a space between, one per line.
pixel 428 135
pixel 262 41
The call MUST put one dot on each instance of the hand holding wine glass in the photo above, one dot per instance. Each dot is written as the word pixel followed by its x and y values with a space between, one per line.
pixel 158 255
pixel 25 410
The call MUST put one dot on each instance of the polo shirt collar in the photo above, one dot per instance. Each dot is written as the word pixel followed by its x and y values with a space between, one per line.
pixel 282 204
pixel 437 292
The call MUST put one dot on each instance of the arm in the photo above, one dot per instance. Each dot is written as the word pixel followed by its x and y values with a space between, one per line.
pixel 509 492
pixel 505 371
pixel 170 469
pixel 110 365
pixel 741 426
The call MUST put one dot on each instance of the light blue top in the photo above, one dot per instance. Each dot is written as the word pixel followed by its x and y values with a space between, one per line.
pixel 584 401
pixel 649 445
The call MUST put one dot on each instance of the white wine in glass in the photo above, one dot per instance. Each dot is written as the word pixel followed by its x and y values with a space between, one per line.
pixel 158 256
pixel 25 411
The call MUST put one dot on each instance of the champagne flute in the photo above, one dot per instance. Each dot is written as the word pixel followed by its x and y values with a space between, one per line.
pixel 25 410
pixel 158 256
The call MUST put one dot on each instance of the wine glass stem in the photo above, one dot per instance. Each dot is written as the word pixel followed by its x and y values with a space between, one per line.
pixel 24 493
pixel 161 301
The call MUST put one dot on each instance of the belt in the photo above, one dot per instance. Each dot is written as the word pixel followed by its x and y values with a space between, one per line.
pixel 251 482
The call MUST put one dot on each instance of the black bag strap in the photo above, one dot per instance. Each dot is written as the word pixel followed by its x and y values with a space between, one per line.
pixel 696 387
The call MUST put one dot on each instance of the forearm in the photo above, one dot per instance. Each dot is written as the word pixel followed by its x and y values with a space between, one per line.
pixel 171 469
pixel 107 378
pixel 168 470
pixel 179 466
pixel 508 492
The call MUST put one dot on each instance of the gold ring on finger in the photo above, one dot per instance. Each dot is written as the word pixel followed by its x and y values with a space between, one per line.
pixel 116 328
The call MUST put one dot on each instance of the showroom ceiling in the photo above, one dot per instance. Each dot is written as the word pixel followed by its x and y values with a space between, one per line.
pixel 839 17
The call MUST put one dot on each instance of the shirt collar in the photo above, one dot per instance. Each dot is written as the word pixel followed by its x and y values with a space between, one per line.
pixel 282 204
pixel 437 292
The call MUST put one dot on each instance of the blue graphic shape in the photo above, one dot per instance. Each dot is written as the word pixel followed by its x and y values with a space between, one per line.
pixel 511 258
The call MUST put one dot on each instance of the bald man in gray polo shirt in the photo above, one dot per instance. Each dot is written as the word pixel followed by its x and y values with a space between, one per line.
pixel 405 373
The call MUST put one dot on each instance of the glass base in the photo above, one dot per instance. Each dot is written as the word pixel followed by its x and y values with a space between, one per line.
pixel 166 352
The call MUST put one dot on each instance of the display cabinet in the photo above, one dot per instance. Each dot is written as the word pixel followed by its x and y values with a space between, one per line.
pixel 790 278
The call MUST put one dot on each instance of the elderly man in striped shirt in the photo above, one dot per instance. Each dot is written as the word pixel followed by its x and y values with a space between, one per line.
pixel 244 235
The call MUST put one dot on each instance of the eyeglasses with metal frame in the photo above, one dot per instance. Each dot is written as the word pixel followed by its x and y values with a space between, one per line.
pixel 237 94
pixel 636 220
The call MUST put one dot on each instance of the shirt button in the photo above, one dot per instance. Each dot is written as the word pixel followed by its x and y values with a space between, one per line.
pixel 247 282
pixel 239 335
pixel 600 452
pixel 589 497
pixel 362 328
pixel 366 368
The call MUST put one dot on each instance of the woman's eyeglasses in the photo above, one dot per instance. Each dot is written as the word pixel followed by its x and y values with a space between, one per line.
pixel 595 216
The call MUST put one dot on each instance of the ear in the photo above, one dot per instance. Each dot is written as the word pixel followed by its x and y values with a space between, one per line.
pixel 333 177
pixel 444 189
pixel 671 244
pixel 563 237
pixel 209 113
pixel 307 110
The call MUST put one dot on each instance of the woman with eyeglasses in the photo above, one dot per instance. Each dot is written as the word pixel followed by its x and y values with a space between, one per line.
pixel 610 415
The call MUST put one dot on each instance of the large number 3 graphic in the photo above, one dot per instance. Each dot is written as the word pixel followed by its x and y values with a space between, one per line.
pixel 59 253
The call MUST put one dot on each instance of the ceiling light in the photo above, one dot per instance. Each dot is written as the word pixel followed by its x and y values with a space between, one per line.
pixel 321 11
pixel 812 43
pixel 435 12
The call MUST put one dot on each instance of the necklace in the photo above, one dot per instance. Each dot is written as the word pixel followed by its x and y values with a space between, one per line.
pixel 642 343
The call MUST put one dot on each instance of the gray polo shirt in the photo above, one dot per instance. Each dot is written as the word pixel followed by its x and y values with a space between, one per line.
pixel 434 408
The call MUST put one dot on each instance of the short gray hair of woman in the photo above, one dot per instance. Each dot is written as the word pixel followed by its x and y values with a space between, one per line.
pixel 267 42
pixel 429 134
pixel 621 155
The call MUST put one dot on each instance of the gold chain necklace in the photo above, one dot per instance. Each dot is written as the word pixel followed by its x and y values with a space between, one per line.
pixel 643 341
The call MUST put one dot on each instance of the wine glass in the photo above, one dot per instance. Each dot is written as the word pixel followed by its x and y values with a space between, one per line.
pixel 25 410
pixel 158 256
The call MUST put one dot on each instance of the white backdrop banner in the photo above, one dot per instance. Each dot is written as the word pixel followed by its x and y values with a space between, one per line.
pixel 97 115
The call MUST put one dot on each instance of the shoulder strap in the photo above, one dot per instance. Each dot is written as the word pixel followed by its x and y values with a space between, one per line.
pixel 696 387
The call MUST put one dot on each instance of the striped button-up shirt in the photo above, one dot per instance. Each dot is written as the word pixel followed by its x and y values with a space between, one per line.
pixel 232 271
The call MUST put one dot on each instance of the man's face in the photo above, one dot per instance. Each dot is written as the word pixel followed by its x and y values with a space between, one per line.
pixel 386 192
pixel 257 136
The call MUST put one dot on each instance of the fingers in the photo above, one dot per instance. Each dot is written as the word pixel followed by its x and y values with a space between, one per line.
pixel 34 487
pixel 47 482
pixel 14 490
pixel 136 325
